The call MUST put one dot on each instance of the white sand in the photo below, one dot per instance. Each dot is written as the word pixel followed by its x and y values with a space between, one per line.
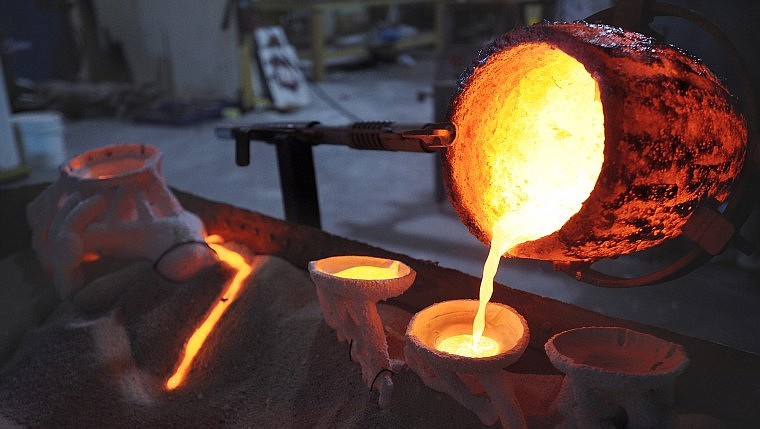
pixel 99 360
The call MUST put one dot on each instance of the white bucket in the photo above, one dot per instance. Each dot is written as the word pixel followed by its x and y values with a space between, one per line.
pixel 41 137
pixel 11 164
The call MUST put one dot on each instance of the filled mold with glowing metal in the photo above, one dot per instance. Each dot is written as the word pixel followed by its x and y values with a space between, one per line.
pixel 441 368
pixel 348 289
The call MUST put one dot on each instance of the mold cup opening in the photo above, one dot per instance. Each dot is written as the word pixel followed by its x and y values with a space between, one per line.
pixel 440 321
pixel 616 353
pixel 113 162
pixel 345 266
pixel 630 371
pixel 362 277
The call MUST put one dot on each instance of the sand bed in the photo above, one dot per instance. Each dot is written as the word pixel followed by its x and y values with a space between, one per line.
pixel 100 359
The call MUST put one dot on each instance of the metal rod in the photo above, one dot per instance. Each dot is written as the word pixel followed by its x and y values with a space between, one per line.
pixel 299 183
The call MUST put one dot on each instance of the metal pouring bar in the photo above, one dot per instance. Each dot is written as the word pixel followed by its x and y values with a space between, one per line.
pixel 295 158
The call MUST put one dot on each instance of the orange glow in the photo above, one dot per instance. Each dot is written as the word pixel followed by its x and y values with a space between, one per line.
pixel 90 257
pixel 464 345
pixel 530 140
pixel 503 240
pixel 370 272
pixel 620 136
pixel 231 292
pixel 528 151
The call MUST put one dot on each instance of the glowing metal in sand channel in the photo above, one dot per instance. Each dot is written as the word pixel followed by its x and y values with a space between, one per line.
pixel 231 292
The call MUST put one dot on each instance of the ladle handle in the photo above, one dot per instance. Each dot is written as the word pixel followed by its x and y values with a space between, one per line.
pixel 582 271
pixel 387 136
pixel 377 135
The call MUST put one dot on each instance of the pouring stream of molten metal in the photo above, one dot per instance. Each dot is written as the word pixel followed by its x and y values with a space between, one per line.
pixel 501 242
pixel 478 345
pixel 528 151
pixel 200 335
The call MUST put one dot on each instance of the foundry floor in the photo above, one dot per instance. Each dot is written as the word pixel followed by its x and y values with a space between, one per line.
pixel 389 200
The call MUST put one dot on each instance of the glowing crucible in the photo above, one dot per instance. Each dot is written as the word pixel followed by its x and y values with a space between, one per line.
pixel 429 353
pixel 348 288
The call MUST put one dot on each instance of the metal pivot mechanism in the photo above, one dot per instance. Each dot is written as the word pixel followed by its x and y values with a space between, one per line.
pixel 710 230
pixel 294 156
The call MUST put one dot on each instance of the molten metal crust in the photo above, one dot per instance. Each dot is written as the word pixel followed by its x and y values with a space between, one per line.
pixel 672 138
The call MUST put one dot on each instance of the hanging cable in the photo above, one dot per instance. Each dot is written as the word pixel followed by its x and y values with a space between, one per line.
pixel 336 106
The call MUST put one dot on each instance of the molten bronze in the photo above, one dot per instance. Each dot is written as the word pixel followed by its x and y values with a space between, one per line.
pixel 670 139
